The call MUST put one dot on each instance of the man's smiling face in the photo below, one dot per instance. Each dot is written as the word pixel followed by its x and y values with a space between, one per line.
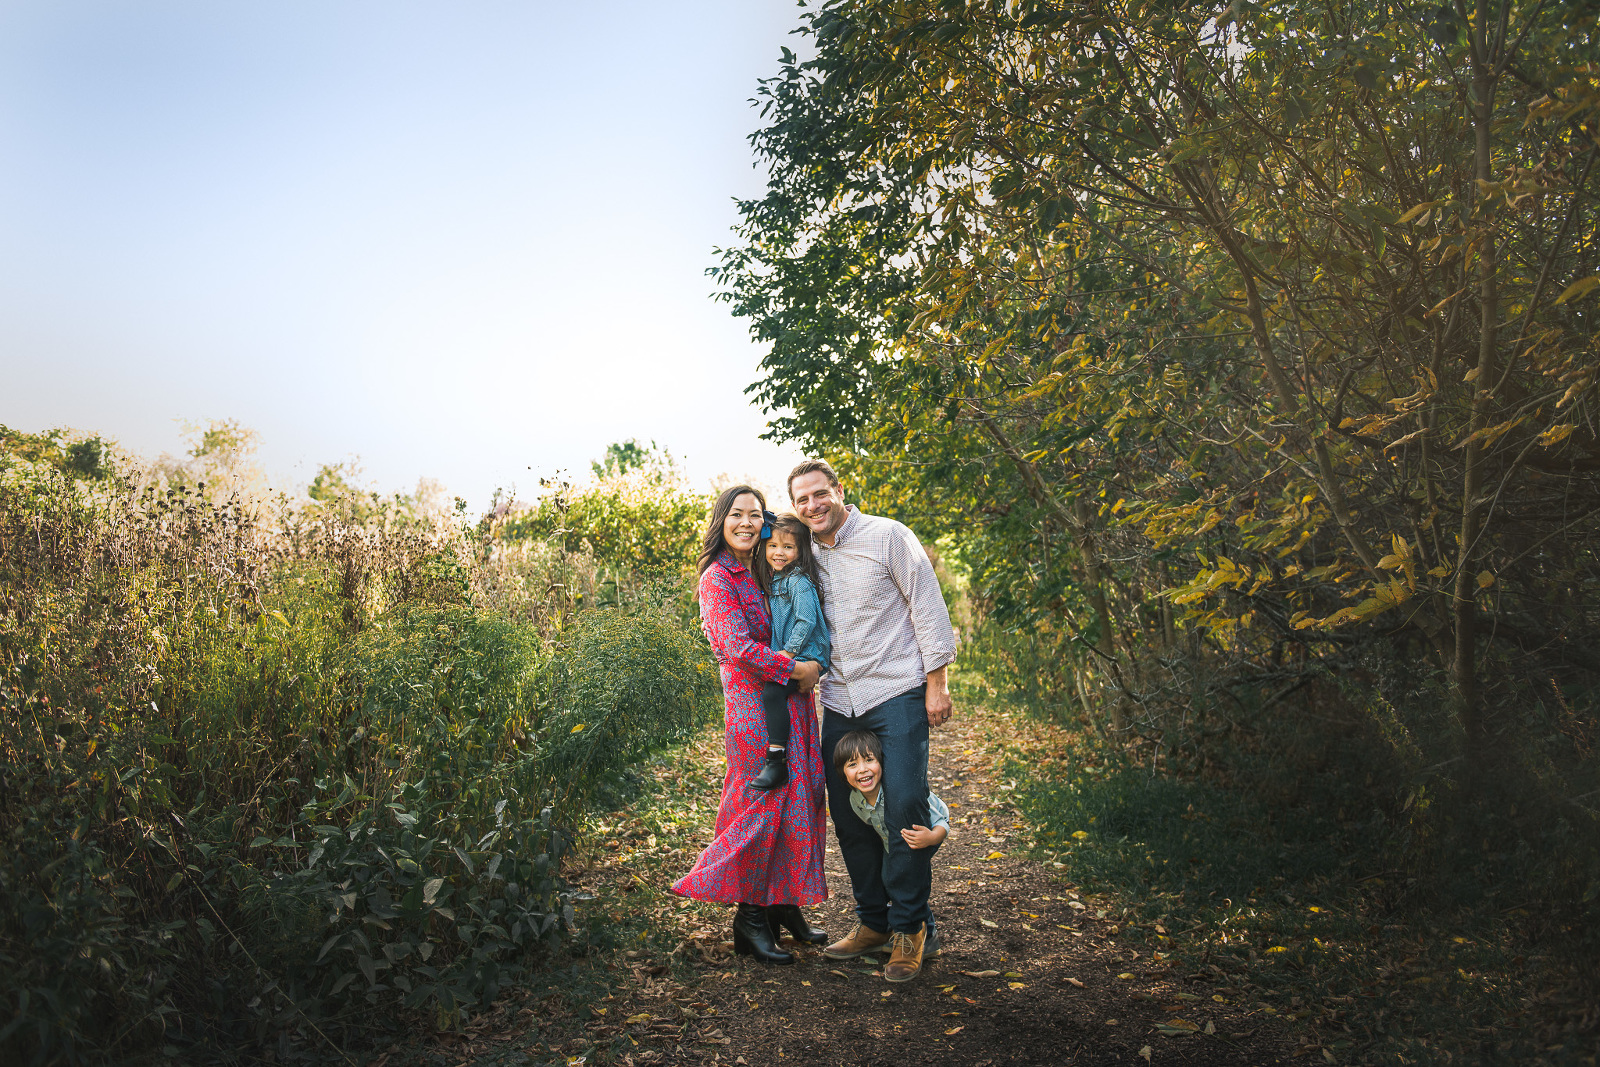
pixel 819 503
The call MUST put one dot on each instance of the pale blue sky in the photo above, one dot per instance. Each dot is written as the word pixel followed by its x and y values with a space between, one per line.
pixel 455 239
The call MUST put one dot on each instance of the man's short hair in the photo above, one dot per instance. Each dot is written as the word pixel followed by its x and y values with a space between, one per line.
pixel 811 466
pixel 855 744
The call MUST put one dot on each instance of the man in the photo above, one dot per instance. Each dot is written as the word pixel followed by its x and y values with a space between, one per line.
pixel 892 642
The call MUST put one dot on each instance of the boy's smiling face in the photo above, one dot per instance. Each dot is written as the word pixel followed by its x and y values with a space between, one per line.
pixel 863 773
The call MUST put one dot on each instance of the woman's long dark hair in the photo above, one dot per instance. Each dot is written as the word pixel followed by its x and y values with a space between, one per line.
pixel 805 561
pixel 715 542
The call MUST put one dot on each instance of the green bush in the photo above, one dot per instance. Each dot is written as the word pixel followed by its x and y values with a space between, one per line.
pixel 635 521
pixel 258 779
pixel 620 685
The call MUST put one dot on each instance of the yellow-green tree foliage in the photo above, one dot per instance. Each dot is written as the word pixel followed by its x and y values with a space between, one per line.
pixel 1278 317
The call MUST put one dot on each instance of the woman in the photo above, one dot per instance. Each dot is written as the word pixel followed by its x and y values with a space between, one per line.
pixel 767 855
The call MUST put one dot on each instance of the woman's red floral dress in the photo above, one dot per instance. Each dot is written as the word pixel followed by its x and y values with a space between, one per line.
pixel 768 848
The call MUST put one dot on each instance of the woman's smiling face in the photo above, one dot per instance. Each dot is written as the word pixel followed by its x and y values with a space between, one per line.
pixel 743 525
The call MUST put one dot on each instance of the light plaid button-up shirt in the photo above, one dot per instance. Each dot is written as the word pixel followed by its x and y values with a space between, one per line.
pixel 885 613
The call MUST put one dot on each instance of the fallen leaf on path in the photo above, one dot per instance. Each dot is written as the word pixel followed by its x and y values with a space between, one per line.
pixel 1176 1028
pixel 948 1014
pixel 1211 1027
pixel 841 974
pixel 887 993
pixel 1013 974
pixel 1074 981
pixel 1125 976
pixel 1018 985
pixel 981 974
pixel 954 1030
pixel 642 1017
pixel 994 856
pixel 989 924
pixel 1077 905
pixel 1145 1052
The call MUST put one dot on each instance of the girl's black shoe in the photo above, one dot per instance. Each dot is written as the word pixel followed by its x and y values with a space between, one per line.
pixel 753 937
pixel 775 773
pixel 789 917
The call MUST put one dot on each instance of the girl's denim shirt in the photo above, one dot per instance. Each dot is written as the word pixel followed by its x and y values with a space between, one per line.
pixel 798 627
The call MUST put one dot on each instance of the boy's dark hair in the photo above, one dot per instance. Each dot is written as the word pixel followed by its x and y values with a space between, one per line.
pixel 806 562
pixel 854 744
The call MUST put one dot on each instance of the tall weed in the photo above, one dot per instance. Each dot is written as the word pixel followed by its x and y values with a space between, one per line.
pixel 266 772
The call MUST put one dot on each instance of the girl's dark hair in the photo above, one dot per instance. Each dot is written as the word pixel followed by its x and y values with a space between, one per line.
pixel 715 542
pixel 806 562
pixel 855 744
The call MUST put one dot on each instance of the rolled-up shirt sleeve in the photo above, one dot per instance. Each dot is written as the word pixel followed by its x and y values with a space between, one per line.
pixel 723 619
pixel 912 573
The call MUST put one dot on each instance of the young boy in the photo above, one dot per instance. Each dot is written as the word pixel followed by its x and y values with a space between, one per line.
pixel 858 757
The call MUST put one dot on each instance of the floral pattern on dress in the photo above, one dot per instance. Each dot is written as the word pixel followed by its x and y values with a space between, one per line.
pixel 768 844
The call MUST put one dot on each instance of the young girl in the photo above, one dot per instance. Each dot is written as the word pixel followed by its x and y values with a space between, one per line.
pixel 798 628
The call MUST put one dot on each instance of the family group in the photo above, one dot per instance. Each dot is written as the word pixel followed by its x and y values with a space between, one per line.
pixel 835 603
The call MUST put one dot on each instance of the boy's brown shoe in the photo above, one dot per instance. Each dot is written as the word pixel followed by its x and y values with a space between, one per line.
pixel 906 960
pixel 862 940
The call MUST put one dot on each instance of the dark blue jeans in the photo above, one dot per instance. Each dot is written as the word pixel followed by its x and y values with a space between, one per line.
pixel 891 887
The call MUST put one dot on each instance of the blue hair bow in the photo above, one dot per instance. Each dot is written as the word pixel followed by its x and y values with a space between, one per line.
pixel 768 521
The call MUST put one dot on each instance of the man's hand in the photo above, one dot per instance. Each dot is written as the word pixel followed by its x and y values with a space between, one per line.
pixel 940 706
pixel 806 672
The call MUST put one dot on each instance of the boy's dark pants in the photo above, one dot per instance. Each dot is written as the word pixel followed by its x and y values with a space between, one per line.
pixel 903 876
pixel 775 709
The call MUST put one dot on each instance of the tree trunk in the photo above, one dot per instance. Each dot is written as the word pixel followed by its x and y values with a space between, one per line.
pixel 1465 669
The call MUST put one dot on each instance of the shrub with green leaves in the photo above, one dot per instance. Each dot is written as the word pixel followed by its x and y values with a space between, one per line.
pixel 259 778
pixel 636 520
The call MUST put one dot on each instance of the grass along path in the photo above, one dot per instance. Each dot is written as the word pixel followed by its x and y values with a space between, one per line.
pixel 1033 971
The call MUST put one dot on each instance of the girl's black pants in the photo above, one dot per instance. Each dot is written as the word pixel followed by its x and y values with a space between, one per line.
pixel 775 707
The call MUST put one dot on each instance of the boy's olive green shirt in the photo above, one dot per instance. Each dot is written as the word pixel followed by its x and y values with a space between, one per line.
pixel 873 815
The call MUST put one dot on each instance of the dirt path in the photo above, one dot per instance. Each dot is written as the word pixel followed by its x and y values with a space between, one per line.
pixel 1032 971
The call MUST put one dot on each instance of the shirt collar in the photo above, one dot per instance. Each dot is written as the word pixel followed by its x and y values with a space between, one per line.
pixel 728 560
pixel 859 802
pixel 850 513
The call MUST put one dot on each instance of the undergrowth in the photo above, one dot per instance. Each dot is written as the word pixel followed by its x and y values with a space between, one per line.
pixel 1332 858
pixel 296 780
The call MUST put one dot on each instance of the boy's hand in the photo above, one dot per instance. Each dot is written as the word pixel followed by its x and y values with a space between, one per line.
pixel 922 837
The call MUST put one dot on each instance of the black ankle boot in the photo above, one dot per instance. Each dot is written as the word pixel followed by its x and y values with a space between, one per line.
pixel 775 773
pixel 789 917
pixel 753 937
